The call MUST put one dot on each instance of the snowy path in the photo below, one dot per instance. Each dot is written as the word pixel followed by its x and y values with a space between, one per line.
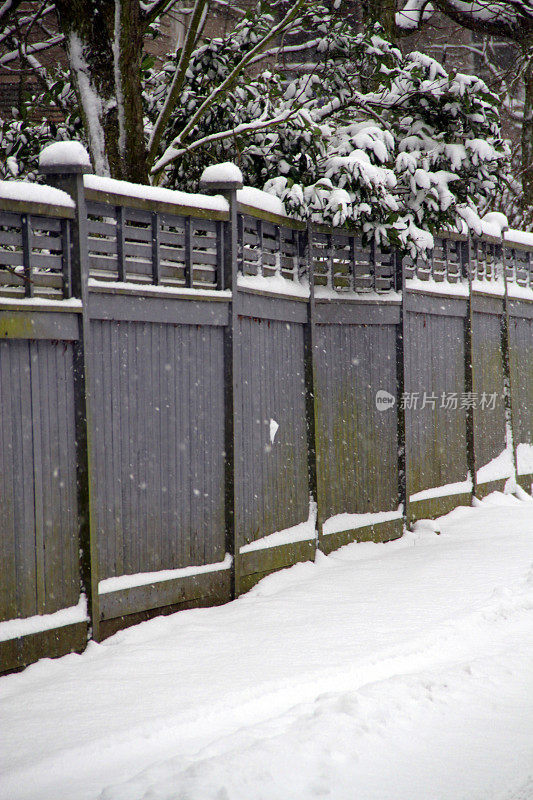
pixel 392 672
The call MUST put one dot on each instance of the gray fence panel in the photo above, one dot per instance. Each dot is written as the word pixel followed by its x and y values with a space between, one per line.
pixel 158 416
pixel 18 588
pixel 488 379
pixel 39 538
pixel 521 361
pixel 357 446
pixel 55 472
pixel 435 436
pixel 271 478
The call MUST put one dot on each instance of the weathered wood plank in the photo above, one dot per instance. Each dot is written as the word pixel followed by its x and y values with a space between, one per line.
pixel 135 308
pixel 165 593
pixel 17 653
pixel 38 325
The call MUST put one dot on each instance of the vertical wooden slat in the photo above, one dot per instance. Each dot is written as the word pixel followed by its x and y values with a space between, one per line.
pixel 67 477
pixel 220 255
pixel 154 484
pixel 26 231
pixel 260 246
pixel 66 260
pixel 372 268
pixel 156 261
pixel 353 268
pixel 25 489
pixel 188 253
pixel 239 253
pixel 8 448
pixel 121 268
pixel 40 464
pixel 57 533
pixel 131 541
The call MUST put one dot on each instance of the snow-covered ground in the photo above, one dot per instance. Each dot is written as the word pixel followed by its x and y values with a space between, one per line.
pixel 401 672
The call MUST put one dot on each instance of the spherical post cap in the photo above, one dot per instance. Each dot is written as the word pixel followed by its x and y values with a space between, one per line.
pixel 221 178
pixel 64 157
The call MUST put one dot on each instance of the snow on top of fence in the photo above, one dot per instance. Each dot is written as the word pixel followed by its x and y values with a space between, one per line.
pixel 63 153
pixel 155 193
pixel 14 628
pixel 519 237
pixel 497 222
pixel 263 201
pixel 248 196
pixel 220 173
pixel 27 192
pixel 277 284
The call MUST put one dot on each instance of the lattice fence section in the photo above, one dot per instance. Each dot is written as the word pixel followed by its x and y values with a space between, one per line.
pixel 443 263
pixel 138 246
pixel 518 266
pixel 485 260
pixel 266 249
pixel 341 263
pixel 34 256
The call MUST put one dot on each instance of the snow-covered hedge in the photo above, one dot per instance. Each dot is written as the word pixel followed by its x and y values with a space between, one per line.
pixel 391 145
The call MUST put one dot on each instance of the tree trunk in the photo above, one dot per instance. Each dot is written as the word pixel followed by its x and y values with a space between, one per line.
pixel 105 70
pixel 384 12
pixel 527 145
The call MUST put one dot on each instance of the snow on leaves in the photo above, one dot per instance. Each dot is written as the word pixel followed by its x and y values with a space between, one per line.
pixel 361 136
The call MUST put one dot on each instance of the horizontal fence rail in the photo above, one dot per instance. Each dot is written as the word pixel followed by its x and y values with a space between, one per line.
pixel 196 392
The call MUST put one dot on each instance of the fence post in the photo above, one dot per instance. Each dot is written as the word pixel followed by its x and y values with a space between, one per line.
pixel 399 284
pixel 233 446
pixel 511 434
pixel 63 164
pixel 466 272
pixel 306 239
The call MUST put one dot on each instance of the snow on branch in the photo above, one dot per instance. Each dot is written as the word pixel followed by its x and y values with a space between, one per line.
pixel 8 8
pixel 229 80
pixel 28 49
pixel 285 48
pixel 172 153
pixel 22 22
pixel 511 19
pixel 413 14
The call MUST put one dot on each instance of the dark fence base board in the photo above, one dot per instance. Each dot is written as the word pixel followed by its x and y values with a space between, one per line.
pixel 379 532
pixel 526 482
pixel 436 506
pixel 257 564
pixel 484 489
pixel 111 626
pixel 214 586
pixel 18 653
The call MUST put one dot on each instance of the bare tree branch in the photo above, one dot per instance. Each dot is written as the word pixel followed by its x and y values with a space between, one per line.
pixel 8 9
pixel 151 11
pixel 198 18
pixel 509 19
pixel 28 49
pixel 171 154
pixel 243 63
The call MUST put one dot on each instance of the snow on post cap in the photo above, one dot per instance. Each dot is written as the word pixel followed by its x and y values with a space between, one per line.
pixel 221 177
pixel 497 220
pixel 65 157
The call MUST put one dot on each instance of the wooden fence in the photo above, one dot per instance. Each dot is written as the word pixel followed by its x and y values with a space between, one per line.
pixel 195 392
